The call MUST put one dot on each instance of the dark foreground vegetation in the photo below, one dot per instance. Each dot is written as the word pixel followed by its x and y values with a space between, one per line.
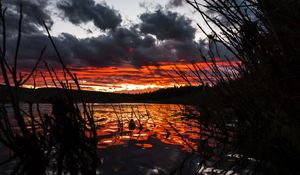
pixel 64 142
pixel 255 108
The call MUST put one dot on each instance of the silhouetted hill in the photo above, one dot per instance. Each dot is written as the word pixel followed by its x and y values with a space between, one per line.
pixel 186 95
pixel 167 95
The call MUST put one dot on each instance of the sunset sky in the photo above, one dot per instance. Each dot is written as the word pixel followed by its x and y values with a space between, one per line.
pixel 112 45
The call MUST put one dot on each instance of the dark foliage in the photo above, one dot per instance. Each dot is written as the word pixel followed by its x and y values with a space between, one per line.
pixel 256 111
pixel 64 141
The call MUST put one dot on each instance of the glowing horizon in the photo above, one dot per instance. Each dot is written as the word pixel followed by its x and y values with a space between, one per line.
pixel 129 79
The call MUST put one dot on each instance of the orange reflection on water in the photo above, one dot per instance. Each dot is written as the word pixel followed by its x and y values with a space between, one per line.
pixel 160 121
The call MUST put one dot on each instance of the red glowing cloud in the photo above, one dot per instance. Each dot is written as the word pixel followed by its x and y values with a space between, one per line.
pixel 132 79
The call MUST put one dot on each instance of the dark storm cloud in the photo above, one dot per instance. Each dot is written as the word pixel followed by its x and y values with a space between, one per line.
pixel 162 36
pixel 34 13
pixel 30 48
pixel 119 46
pixel 167 25
pixel 12 19
pixel 175 3
pixel 83 11
pixel 33 39
pixel 242 8
pixel 211 49
pixel 33 9
pixel 114 49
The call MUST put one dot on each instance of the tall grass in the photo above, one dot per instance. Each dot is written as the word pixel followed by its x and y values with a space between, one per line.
pixel 260 103
pixel 64 142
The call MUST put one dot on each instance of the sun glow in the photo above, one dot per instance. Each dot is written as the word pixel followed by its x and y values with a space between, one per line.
pixel 130 79
pixel 124 88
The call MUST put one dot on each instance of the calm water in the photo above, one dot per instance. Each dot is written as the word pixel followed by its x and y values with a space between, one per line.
pixel 159 142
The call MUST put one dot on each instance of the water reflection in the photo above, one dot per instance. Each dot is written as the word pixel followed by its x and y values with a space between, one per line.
pixel 127 123
pixel 123 124
pixel 139 138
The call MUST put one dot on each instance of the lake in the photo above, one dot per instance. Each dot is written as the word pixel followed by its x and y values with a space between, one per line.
pixel 141 138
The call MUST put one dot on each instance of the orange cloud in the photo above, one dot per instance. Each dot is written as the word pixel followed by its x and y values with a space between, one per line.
pixel 132 79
